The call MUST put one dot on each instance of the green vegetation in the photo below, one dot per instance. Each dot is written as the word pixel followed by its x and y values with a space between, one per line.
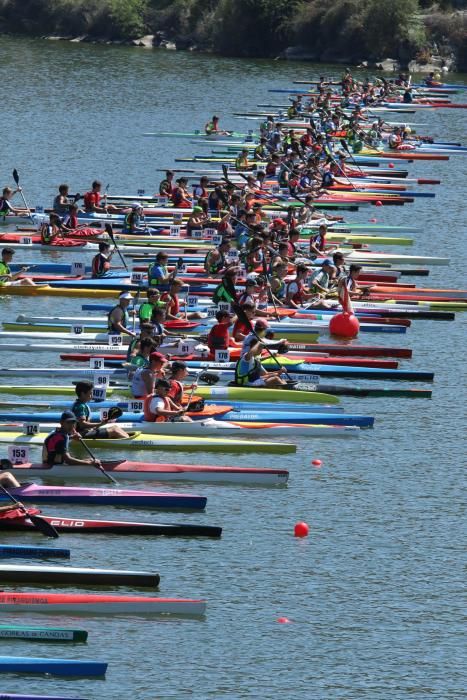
pixel 328 30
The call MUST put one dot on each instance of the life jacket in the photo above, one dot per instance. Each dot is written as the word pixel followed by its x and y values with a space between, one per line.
pixel 280 293
pixel 221 294
pixel 46 233
pixel 4 206
pixel 138 388
pixel 131 222
pixel 125 319
pixel 251 376
pixel 100 265
pixel 216 338
pixel 149 415
pixel 4 270
pixel 216 266
pixel 176 391
pixel 151 279
pixel 51 443
pixel 327 179
pixel 297 297
pixel 131 345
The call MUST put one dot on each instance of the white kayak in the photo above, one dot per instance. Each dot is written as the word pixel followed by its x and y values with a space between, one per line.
pixel 210 427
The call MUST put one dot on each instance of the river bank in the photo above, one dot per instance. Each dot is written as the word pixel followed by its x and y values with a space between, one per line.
pixel 393 34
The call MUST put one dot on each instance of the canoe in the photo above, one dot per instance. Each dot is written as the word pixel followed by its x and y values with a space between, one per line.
pixel 234 393
pixel 156 472
pixel 73 603
pixel 74 576
pixel 10 551
pixel 43 634
pixel 109 496
pixel 55 667
pixel 113 527
pixel 139 441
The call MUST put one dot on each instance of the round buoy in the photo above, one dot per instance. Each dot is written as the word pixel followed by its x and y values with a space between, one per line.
pixel 373 221
pixel 301 530
pixel 344 325
pixel 316 462
pixel 390 165
pixel 283 620
pixel 378 203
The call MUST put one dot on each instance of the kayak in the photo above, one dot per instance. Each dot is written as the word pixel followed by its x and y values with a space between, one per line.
pixel 139 441
pixel 114 527
pixel 232 423
pixel 42 634
pixel 109 496
pixel 156 472
pixel 55 667
pixel 76 576
pixel 73 603
pixel 233 393
pixel 10 551
pixel 9 696
pixel 242 429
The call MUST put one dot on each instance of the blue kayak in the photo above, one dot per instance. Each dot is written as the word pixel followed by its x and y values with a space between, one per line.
pixel 9 696
pixel 56 667
pixel 31 552
pixel 246 415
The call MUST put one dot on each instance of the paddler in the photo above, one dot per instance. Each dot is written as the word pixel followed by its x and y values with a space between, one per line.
pixel 296 294
pixel 166 186
pixel 211 128
pixel 225 291
pixel 52 230
pixel 318 243
pixel 219 336
pixel 215 261
pixel 57 444
pixel 61 204
pixel 146 331
pixel 118 318
pixel 351 283
pixel 8 481
pixel 241 161
pixel 321 278
pixel 196 221
pixel 178 372
pixel 141 358
pixel 132 221
pixel 7 279
pixel 145 378
pixel 92 200
pixel 148 307
pixel 5 205
pixel 250 372
pixel 261 151
pixel 159 407
pixel 103 430
pixel 158 274
pixel 180 196
pixel 201 191
pixel 100 265
pixel 241 330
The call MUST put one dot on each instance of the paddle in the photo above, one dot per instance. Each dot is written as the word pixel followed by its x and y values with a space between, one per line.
pixel 246 321
pixel 16 179
pixel 135 304
pixel 39 523
pixel 193 387
pixel 98 466
pixel 110 232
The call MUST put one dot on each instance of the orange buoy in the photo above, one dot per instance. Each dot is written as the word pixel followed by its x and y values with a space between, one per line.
pixel 344 325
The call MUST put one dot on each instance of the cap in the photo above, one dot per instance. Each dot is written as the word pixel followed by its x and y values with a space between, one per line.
pixel 7 251
pixel 125 295
pixel 197 209
pixel 68 416
pixel 280 222
pixel 326 262
pixel 153 292
pixel 136 205
pixel 157 356
pixel 261 323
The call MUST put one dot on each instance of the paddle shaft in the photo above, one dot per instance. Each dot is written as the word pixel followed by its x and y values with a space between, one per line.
pixel 16 179
pixel 97 466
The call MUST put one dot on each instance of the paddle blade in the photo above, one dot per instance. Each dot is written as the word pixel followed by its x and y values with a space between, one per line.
pixel 46 528
pixel 16 176
pixel 114 412
pixel 109 230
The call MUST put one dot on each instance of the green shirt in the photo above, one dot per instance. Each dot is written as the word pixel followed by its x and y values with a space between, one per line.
pixel 4 270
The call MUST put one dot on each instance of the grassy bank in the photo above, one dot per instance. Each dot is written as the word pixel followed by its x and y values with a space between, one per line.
pixel 326 30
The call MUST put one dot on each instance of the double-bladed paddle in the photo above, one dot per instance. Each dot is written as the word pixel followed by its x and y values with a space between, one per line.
pixel 39 523
pixel 16 179
pixel 110 232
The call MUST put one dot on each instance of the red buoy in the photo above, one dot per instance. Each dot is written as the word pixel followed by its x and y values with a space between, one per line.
pixel 283 620
pixel 373 221
pixel 301 530
pixel 390 165
pixel 316 462
pixel 378 203
pixel 344 325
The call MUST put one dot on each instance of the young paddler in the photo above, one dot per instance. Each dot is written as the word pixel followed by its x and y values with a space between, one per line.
pixel 82 412
pixel 56 447
pixel 7 278
pixel 118 318
pixel 160 407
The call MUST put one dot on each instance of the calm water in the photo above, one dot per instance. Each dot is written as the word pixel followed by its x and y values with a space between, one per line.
pixel 376 592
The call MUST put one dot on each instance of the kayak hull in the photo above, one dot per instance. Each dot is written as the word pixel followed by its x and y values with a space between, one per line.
pixel 43 634
pixel 70 575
